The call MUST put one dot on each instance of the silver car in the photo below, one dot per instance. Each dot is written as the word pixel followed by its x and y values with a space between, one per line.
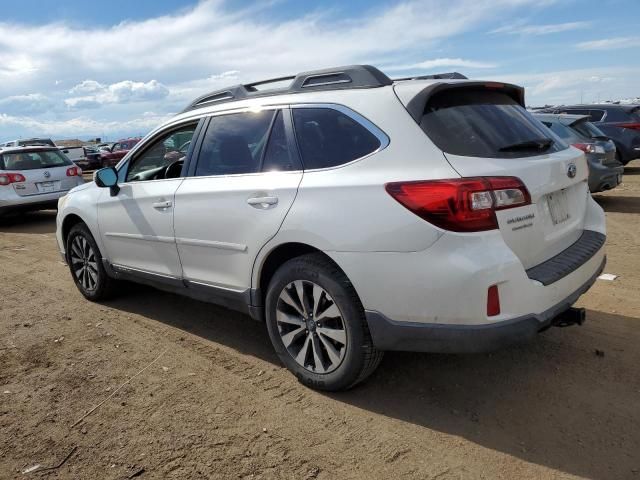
pixel 605 171
pixel 34 178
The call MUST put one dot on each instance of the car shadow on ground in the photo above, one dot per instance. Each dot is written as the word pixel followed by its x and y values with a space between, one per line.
pixel 40 222
pixel 631 170
pixel 618 204
pixel 547 402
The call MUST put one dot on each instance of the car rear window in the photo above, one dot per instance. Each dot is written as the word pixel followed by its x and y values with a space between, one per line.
pixel 33 160
pixel 564 132
pixel 476 122
pixel 328 137
pixel 587 129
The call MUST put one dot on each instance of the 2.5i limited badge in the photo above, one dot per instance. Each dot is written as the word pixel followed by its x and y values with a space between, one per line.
pixel 519 220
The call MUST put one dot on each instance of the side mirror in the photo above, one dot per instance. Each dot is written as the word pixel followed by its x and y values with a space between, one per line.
pixel 107 178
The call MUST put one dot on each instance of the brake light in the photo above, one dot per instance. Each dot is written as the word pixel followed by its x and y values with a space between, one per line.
pixel 631 125
pixel 461 204
pixel 9 178
pixel 493 301
pixel 585 147
pixel 74 172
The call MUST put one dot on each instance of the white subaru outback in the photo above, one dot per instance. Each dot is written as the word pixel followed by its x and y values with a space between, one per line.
pixel 353 214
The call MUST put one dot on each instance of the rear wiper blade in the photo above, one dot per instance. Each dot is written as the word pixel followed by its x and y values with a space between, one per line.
pixel 540 144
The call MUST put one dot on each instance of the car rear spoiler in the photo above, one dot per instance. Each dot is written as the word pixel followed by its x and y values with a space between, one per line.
pixel 414 97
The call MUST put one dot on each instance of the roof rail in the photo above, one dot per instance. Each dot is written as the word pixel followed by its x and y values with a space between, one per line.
pixel 435 76
pixel 338 78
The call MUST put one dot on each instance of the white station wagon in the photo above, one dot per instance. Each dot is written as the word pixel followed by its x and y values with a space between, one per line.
pixel 35 177
pixel 353 214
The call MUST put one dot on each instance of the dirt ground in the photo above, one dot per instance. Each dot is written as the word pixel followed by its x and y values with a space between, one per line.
pixel 207 398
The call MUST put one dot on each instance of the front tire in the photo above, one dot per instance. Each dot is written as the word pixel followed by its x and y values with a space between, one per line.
pixel 85 264
pixel 317 324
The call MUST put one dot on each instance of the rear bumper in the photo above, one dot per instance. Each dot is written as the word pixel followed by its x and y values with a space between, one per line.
pixel 388 334
pixel 15 203
pixel 602 177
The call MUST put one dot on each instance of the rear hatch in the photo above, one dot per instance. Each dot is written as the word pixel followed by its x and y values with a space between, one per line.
pixel 484 130
pixel 44 171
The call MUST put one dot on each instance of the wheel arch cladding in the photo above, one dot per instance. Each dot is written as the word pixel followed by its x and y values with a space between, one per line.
pixel 278 257
pixel 68 223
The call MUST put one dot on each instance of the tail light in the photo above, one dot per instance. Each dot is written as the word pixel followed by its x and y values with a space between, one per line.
pixel 461 204
pixel 74 172
pixel 631 125
pixel 588 147
pixel 9 178
pixel 493 301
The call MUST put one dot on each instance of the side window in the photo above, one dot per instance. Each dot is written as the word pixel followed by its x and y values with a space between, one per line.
pixel 327 137
pixel 576 111
pixel 278 156
pixel 234 143
pixel 596 115
pixel 153 162
pixel 116 147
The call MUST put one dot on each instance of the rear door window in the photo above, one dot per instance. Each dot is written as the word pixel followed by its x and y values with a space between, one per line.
pixel 278 156
pixel 328 138
pixel 234 143
pixel 596 115
pixel 476 122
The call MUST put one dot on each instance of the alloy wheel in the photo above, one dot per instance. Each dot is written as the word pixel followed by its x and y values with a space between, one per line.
pixel 83 263
pixel 311 326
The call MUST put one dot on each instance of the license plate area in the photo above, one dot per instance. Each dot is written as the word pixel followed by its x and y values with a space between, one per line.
pixel 558 206
pixel 46 187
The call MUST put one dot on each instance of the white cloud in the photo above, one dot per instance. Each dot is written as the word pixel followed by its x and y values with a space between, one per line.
pixel 610 43
pixel 87 86
pixel 31 103
pixel 80 126
pixel 213 44
pixel 441 62
pixel 121 92
pixel 522 29
pixel 577 85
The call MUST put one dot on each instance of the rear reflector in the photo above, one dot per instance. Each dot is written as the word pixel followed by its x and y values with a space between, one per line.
pixel 493 301
pixel 9 178
pixel 461 204
pixel 74 172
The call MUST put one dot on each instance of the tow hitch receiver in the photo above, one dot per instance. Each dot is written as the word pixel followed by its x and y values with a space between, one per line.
pixel 571 316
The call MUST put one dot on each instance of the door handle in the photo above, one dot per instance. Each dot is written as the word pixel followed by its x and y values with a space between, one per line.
pixel 262 202
pixel 162 205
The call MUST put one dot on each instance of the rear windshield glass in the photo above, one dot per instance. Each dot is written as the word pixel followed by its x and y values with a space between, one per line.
pixel 564 132
pixel 483 123
pixel 33 160
pixel 587 129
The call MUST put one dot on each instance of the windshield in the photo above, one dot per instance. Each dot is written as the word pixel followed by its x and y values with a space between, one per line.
pixel 477 122
pixel 32 160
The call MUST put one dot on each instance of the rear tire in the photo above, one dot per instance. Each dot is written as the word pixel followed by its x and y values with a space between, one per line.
pixel 317 325
pixel 85 264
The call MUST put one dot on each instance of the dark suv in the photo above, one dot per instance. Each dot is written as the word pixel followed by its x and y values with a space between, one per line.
pixel 621 123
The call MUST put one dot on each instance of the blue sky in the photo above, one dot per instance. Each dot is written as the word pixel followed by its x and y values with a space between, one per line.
pixel 80 69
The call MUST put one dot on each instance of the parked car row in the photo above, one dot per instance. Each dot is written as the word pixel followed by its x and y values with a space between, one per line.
pixel 86 157
pixel 354 214
pixel 605 171
pixel 621 123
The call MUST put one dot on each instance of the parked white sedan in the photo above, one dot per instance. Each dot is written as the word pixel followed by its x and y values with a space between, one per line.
pixel 34 178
